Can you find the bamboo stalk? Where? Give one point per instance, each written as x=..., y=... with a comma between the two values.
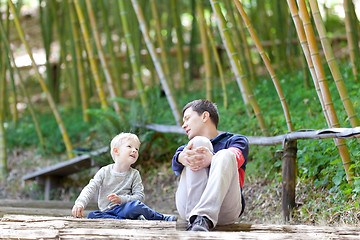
x=333, y=119
x=90, y=54
x=46, y=31
x=267, y=64
x=305, y=47
x=151, y=49
x=13, y=106
x=179, y=43
x=219, y=66
x=115, y=70
x=162, y=48
x=279, y=18
x=22, y=85
x=235, y=30
x=52, y=104
x=205, y=51
x=217, y=61
x=103, y=61
x=335, y=71
x=131, y=51
x=246, y=91
x=351, y=39
x=79, y=63
x=232, y=54
x=3, y=151
x=249, y=61
x=355, y=26
x=3, y=85
x=193, y=63
x=118, y=30
x=71, y=81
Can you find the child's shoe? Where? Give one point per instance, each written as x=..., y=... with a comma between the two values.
x=141, y=217
x=169, y=218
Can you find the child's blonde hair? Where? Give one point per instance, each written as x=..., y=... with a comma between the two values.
x=118, y=140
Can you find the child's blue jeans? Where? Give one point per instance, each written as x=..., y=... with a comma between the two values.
x=130, y=210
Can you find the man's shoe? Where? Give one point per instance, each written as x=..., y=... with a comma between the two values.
x=169, y=218
x=189, y=227
x=201, y=224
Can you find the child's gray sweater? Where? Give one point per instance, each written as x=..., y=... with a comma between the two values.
x=127, y=185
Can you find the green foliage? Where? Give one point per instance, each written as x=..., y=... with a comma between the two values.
x=23, y=134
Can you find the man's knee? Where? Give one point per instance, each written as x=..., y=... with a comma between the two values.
x=200, y=141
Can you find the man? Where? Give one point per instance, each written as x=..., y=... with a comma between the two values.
x=210, y=186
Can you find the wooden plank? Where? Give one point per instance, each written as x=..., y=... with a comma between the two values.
x=272, y=228
x=45, y=227
x=71, y=222
x=180, y=225
x=151, y=234
x=87, y=233
x=29, y=234
x=67, y=167
x=42, y=204
x=39, y=211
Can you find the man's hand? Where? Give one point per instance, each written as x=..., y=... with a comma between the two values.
x=196, y=159
x=114, y=198
x=77, y=211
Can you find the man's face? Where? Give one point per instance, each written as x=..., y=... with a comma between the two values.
x=193, y=123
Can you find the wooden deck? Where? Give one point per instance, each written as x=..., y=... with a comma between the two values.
x=47, y=227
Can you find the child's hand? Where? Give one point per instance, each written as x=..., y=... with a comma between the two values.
x=114, y=198
x=77, y=211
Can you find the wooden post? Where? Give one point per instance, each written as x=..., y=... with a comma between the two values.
x=288, y=177
x=50, y=182
x=47, y=188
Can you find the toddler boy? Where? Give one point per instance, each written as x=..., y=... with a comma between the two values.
x=121, y=193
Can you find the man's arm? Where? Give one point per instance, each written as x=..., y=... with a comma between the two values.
x=195, y=159
x=239, y=145
x=176, y=165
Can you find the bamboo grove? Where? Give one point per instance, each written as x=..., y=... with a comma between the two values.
x=102, y=43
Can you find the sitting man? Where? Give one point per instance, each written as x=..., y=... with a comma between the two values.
x=211, y=181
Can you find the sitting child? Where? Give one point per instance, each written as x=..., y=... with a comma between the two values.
x=120, y=187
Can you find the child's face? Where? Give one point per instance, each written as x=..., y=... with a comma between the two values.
x=128, y=151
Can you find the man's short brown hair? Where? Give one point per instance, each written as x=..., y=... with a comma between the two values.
x=203, y=105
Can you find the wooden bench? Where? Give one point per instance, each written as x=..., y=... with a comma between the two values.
x=49, y=176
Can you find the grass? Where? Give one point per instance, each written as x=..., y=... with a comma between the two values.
x=323, y=194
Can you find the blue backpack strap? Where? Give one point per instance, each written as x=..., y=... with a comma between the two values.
x=242, y=202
